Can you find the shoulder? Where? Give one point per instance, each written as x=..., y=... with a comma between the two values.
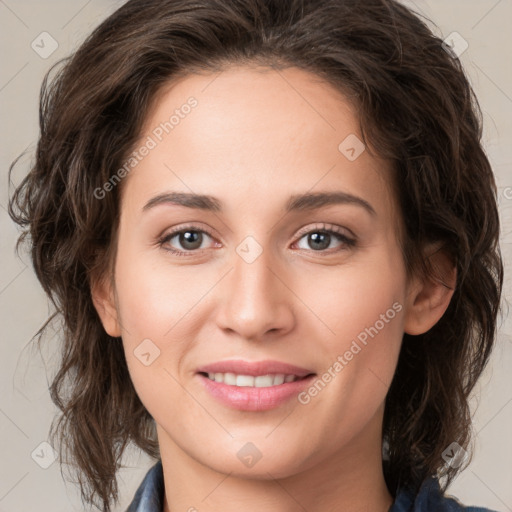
x=429, y=498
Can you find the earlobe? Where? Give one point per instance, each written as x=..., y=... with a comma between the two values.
x=430, y=297
x=104, y=302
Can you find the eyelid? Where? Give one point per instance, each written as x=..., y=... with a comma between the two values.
x=167, y=235
x=184, y=227
x=322, y=226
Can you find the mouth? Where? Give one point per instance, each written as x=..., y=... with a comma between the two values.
x=253, y=386
x=259, y=381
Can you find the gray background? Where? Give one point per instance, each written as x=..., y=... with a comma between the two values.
x=26, y=410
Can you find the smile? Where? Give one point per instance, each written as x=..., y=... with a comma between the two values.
x=260, y=381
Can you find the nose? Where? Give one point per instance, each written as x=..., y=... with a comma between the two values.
x=257, y=301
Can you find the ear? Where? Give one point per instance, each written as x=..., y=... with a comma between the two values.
x=103, y=298
x=429, y=297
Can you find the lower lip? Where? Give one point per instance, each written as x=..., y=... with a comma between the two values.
x=245, y=398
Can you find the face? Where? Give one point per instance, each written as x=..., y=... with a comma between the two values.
x=265, y=270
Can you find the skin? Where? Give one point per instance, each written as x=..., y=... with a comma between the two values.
x=256, y=137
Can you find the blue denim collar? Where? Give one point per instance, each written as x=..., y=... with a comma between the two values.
x=149, y=497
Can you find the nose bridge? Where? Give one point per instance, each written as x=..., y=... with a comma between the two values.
x=256, y=300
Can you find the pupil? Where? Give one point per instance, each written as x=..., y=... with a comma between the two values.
x=191, y=237
x=315, y=238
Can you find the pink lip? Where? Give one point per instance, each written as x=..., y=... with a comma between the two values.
x=254, y=369
x=253, y=398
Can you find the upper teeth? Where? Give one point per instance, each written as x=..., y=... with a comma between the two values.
x=261, y=381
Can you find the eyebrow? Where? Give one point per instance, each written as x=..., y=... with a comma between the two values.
x=298, y=202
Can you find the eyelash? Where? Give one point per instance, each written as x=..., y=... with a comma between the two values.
x=348, y=242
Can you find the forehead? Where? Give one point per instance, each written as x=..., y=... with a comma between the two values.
x=252, y=106
x=256, y=131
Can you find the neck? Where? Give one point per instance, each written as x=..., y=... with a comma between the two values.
x=350, y=479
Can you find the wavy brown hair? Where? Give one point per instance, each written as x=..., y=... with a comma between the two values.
x=416, y=108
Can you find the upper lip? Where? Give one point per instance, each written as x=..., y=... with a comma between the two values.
x=254, y=369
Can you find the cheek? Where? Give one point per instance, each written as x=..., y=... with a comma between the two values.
x=155, y=298
x=163, y=308
x=349, y=299
x=155, y=307
x=361, y=312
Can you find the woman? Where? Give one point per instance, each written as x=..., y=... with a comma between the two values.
x=271, y=232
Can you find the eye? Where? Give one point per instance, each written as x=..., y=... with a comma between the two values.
x=320, y=239
x=190, y=238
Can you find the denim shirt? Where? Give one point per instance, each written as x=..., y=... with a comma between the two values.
x=149, y=497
